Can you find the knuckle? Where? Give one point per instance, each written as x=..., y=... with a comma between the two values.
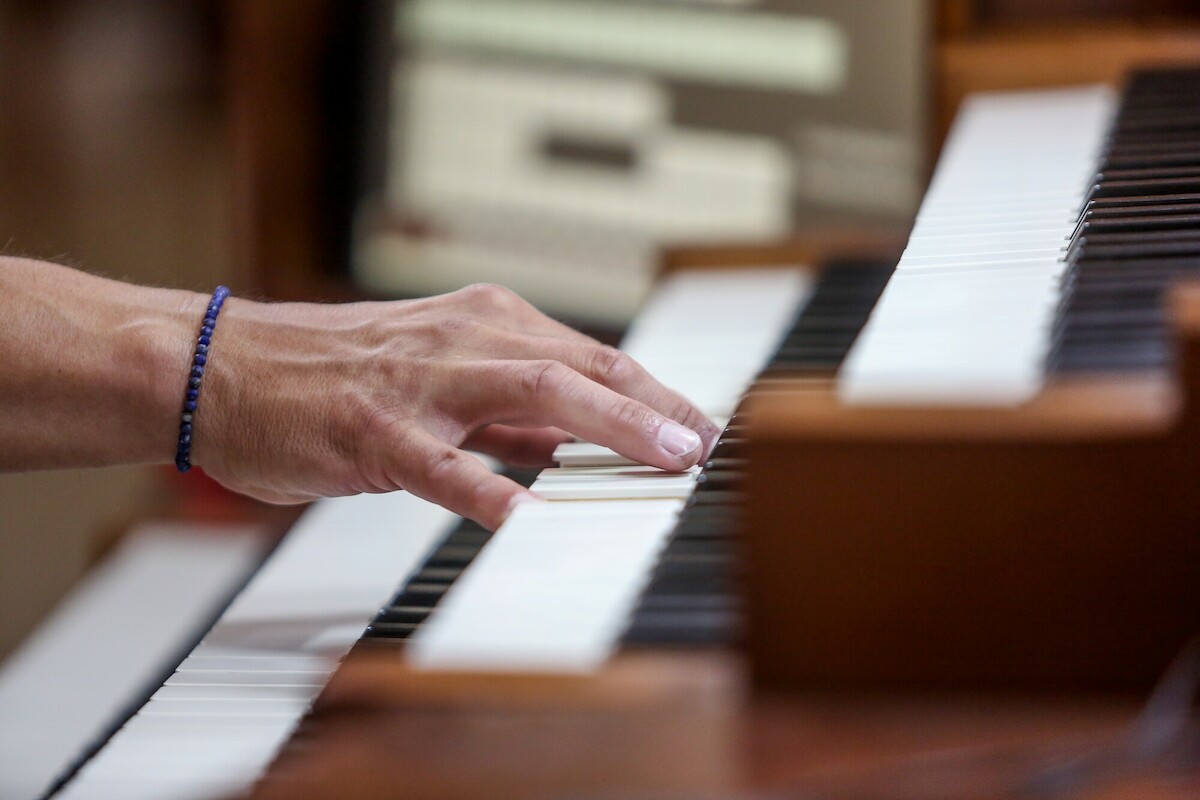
x=444, y=465
x=687, y=414
x=705, y=427
x=490, y=295
x=612, y=367
x=542, y=378
x=631, y=415
x=368, y=446
x=698, y=421
x=377, y=424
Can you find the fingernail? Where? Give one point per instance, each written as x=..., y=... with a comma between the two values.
x=677, y=440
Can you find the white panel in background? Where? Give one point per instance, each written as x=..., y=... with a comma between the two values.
x=565, y=276
x=760, y=49
x=475, y=136
x=471, y=164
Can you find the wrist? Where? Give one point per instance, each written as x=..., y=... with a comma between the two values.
x=93, y=369
x=224, y=382
x=157, y=342
x=195, y=381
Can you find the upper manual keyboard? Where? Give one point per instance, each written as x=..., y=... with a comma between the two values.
x=967, y=316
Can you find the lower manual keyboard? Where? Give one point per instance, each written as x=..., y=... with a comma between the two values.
x=217, y=723
x=573, y=575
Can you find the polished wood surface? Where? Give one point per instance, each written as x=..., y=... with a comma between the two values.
x=683, y=726
x=921, y=746
x=644, y=723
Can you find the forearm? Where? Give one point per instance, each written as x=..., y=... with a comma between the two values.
x=301, y=401
x=92, y=371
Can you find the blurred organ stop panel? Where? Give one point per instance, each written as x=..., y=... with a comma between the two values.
x=554, y=145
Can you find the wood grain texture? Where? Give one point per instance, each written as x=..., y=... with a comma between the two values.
x=646, y=724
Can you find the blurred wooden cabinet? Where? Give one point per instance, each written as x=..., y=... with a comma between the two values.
x=985, y=45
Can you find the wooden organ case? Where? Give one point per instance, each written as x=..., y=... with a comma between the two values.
x=1049, y=546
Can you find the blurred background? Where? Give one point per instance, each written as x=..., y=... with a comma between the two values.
x=299, y=149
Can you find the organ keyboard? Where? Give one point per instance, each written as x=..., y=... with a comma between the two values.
x=627, y=555
x=552, y=589
x=1031, y=520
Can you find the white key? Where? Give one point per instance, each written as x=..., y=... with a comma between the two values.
x=551, y=592
x=586, y=454
x=614, y=483
x=217, y=723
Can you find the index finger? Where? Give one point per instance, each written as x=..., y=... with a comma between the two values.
x=548, y=392
x=619, y=372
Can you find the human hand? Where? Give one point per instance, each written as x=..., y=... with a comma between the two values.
x=303, y=401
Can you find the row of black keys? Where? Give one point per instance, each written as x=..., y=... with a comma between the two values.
x=691, y=597
x=1138, y=232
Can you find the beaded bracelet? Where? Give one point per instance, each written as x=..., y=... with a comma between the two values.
x=183, y=453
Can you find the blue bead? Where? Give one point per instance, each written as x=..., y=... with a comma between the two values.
x=199, y=361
